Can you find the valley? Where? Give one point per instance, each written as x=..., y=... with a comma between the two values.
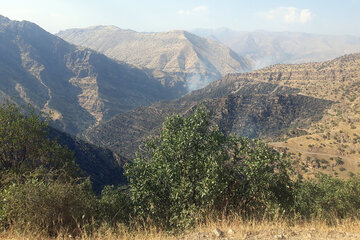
x=168, y=133
x=312, y=108
x=77, y=87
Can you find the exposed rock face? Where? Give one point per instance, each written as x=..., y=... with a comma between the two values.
x=78, y=86
x=179, y=59
x=267, y=48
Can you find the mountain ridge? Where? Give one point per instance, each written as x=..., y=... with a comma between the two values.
x=268, y=48
x=79, y=87
x=189, y=58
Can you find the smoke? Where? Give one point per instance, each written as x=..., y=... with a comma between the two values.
x=196, y=81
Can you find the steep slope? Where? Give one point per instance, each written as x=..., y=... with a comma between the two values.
x=331, y=145
x=268, y=48
x=103, y=166
x=191, y=61
x=238, y=105
x=311, y=110
x=78, y=86
x=253, y=115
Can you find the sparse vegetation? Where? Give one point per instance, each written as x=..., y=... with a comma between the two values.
x=339, y=161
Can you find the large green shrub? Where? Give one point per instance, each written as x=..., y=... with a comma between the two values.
x=193, y=169
x=259, y=180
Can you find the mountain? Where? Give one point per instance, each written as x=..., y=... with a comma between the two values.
x=103, y=166
x=179, y=59
x=311, y=110
x=78, y=86
x=268, y=48
x=254, y=110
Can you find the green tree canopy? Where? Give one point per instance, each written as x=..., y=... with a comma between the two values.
x=25, y=146
x=193, y=169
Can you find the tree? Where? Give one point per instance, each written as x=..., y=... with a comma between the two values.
x=39, y=184
x=193, y=169
x=25, y=146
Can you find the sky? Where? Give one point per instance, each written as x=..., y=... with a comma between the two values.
x=312, y=16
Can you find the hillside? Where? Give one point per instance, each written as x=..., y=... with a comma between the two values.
x=332, y=144
x=78, y=87
x=179, y=59
x=103, y=166
x=312, y=110
x=268, y=48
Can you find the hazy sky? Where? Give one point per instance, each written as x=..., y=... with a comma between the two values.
x=313, y=16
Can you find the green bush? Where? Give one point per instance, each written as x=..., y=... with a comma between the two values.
x=25, y=146
x=193, y=169
x=328, y=198
x=182, y=174
x=339, y=161
x=114, y=206
x=259, y=180
x=47, y=207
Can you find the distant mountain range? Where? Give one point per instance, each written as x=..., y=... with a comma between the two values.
x=268, y=48
x=179, y=59
x=77, y=86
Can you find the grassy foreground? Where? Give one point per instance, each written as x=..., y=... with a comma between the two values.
x=236, y=229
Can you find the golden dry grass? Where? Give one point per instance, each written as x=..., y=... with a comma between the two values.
x=236, y=229
x=337, y=133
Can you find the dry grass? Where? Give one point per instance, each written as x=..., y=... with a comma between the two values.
x=235, y=229
x=336, y=134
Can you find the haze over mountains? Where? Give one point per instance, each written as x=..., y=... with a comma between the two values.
x=267, y=48
x=180, y=59
x=78, y=86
